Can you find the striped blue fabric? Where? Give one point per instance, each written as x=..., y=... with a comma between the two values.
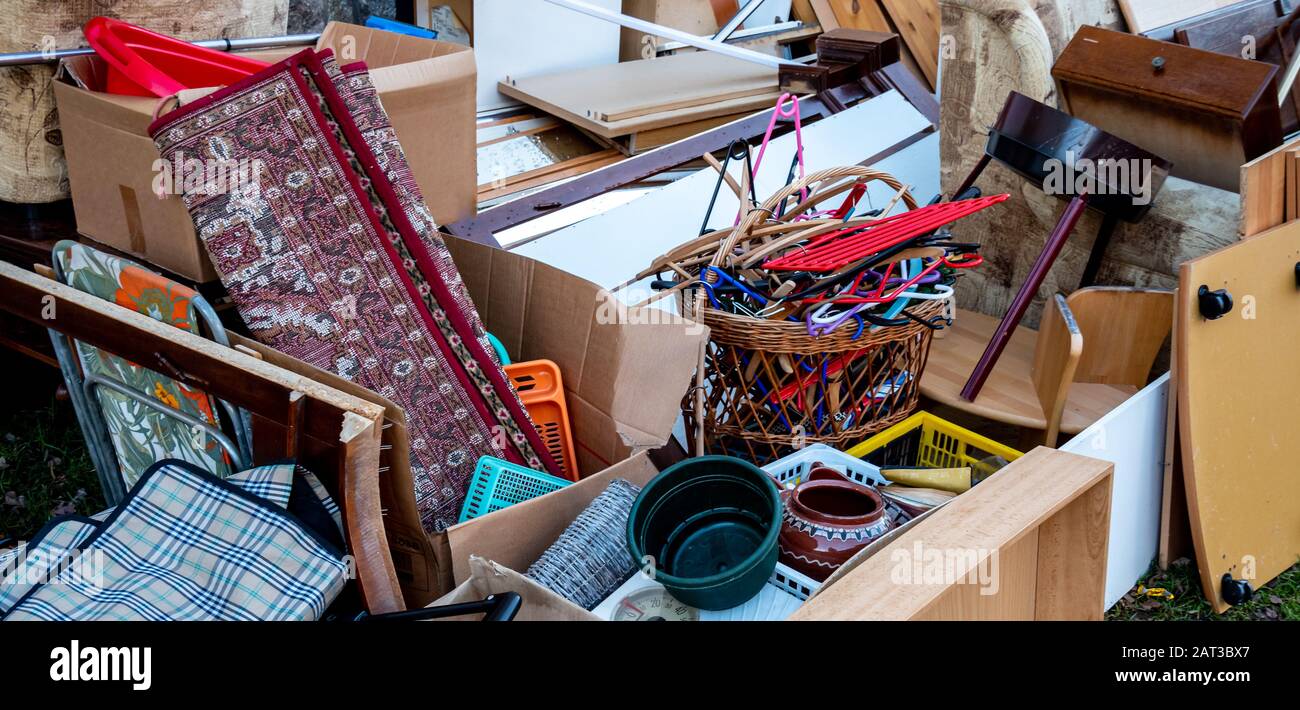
x=27, y=565
x=185, y=545
x=273, y=483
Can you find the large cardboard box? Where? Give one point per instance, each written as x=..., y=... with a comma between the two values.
x=426, y=86
x=1029, y=543
x=625, y=372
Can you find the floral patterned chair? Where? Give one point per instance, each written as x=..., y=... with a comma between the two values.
x=133, y=417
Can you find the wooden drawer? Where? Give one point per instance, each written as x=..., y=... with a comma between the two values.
x=1208, y=113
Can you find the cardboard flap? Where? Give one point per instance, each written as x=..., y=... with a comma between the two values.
x=518, y=535
x=630, y=367
x=539, y=603
x=380, y=48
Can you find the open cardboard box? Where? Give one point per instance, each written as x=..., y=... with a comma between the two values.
x=625, y=371
x=426, y=86
x=1028, y=543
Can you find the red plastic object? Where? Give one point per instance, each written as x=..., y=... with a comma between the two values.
x=144, y=63
x=541, y=389
x=836, y=250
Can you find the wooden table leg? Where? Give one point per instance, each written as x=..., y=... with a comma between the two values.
x=1051, y=250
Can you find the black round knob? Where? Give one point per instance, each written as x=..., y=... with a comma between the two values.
x=1236, y=591
x=1158, y=64
x=1214, y=304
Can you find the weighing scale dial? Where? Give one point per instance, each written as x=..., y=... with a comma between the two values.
x=653, y=605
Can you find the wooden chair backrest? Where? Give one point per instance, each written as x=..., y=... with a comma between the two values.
x=333, y=434
x=1057, y=353
x=1125, y=328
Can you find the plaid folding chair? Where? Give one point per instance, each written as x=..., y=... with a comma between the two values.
x=132, y=417
x=262, y=545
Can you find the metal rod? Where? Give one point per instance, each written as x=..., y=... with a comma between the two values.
x=654, y=30
x=735, y=22
x=223, y=45
x=741, y=35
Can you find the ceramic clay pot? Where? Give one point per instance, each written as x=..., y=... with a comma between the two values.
x=826, y=521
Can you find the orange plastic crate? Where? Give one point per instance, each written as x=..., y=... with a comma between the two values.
x=541, y=389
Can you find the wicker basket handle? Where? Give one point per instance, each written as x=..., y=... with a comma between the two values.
x=755, y=216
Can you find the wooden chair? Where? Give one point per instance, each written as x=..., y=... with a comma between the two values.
x=1095, y=349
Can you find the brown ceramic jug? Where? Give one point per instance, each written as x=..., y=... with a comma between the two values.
x=827, y=520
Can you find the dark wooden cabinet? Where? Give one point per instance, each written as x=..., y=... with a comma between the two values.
x=1208, y=113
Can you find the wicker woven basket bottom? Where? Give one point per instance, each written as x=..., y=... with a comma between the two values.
x=771, y=389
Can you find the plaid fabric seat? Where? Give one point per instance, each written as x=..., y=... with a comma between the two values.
x=24, y=565
x=186, y=545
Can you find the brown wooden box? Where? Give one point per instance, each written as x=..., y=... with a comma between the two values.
x=1208, y=113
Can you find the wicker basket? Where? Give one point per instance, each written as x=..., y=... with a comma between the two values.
x=770, y=388
x=750, y=363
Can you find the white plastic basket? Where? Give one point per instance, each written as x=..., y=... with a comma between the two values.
x=792, y=469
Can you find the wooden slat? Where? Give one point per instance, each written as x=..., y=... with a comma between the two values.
x=1264, y=188
x=620, y=99
x=918, y=24
x=1036, y=514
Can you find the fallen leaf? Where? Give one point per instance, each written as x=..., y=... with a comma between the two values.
x=1275, y=599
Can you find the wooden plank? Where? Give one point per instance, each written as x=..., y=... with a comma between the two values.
x=1144, y=15
x=859, y=15
x=1016, y=598
x=918, y=24
x=621, y=99
x=1264, y=191
x=825, y=14
x=1133, y=438
x=984, y=529
x=1237, y=390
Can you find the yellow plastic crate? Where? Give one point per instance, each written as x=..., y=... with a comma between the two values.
x=930, y=442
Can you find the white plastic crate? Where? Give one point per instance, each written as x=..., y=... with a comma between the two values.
x=782, y=596
x=792, y=469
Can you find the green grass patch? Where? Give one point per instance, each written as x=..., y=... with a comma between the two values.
x=1277, y=600
x=45, y=470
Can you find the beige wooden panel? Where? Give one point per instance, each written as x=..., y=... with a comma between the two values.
x=1011, y=600
x=1072, y=558
x=1238, y=388
x=1002, y=515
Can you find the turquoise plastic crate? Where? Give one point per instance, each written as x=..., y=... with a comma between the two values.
x=500, y=484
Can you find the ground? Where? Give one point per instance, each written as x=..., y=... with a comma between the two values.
x=45, y=471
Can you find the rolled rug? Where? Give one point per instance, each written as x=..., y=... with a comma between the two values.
x=320, y=255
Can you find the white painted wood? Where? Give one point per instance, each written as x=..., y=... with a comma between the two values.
x=610, y=248
x=656, y=30
x=530, y=37
x=1133, y=438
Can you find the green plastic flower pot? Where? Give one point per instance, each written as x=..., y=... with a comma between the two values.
x=709, y=527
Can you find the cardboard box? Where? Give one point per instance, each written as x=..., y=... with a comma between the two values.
x=426, y=86
x=625, y=369
x=1029, y=543
x=624, y=378
x=539, y=603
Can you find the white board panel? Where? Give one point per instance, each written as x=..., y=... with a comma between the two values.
x=530, y=37
x=611, y=248
x=1133, y=438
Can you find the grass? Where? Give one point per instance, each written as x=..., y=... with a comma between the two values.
x=1277, y=600
x=44, y=467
